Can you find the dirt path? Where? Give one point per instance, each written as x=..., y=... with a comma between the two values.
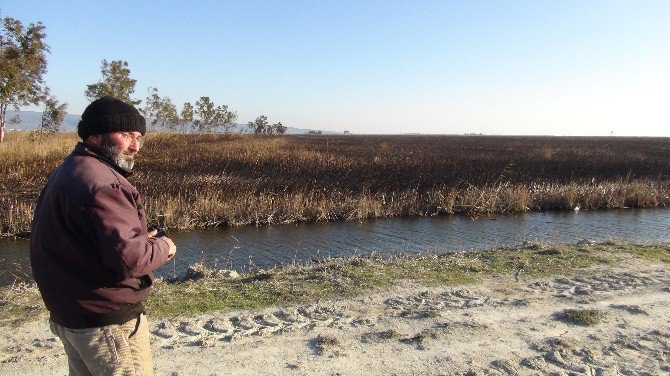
x=496, y=327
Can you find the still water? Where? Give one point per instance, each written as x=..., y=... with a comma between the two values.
x=267, y=246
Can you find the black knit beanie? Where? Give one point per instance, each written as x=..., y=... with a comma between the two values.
x=108, y=114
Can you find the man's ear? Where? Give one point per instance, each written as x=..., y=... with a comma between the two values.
x=94, y=140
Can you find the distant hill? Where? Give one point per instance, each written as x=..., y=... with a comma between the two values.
x=31, y=120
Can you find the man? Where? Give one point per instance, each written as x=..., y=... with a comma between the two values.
x=91, y=254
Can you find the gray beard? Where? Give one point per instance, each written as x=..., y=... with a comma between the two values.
x=116, y=155
x=126, y=164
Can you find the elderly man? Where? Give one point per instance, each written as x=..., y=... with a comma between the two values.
x=91, y=254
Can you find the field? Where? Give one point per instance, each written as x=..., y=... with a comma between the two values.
x=190, y=180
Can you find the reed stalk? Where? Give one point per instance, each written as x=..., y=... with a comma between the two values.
x=202, y=180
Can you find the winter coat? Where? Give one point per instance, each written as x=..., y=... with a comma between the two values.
x=89, y=250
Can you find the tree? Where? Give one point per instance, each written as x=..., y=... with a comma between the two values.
x=208, y=116
x=160, y=111
x=226, y=118
x=205, y=115
x=115, y=81
x=23, y=63
x=260, y=125
x=279, y=128
x=186, y=116
x=166, y=117
x=149, y=110
x=53, y=115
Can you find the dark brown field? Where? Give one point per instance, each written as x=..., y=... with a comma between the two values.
x=192, y=181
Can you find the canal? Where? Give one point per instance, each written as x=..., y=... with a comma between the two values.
x=248, y=248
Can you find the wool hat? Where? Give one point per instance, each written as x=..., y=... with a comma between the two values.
x=108, y=114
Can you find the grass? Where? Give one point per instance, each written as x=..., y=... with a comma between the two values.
x=353, y=276
x=356, y=276
x=201, y=180
x=584, y=317
x=347, y=277
x=20, y=303
x=657, y=252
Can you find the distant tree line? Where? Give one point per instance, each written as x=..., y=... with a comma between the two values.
x=23, y=64
x=162, y=113
x=261, y=126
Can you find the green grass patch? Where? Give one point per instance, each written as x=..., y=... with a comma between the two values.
x=534, y=262
x=348, y=277
x=354, y=276
x=659, y=252
x=584, y=317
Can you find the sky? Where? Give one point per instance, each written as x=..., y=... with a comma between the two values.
x=578, y=68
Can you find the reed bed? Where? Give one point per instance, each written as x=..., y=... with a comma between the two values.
x=201, y=180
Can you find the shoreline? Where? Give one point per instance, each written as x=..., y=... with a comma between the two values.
x=261, y=210
x=25, y=235
x=504, y=320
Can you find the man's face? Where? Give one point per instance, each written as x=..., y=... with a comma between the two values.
x=121, y=147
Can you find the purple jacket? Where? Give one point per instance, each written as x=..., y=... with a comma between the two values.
x=89, y=250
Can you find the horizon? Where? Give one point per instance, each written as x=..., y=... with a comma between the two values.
x=335, y=133
x=305, y=130
x=444, y=67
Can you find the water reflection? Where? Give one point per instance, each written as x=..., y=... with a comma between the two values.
x=268, y=246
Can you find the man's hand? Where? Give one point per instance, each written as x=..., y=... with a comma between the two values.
x=173, y=248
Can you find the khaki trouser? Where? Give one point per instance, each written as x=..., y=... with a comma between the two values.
x=108, y=350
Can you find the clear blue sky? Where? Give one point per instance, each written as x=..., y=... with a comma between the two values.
x=449, y=67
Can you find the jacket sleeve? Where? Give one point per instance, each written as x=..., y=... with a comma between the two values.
x=120, y=234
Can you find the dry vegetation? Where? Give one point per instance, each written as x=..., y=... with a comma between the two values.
x=204, y=180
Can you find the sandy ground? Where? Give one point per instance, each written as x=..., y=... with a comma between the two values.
x=495, y=327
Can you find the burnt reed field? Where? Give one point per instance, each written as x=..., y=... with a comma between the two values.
x=198, y=180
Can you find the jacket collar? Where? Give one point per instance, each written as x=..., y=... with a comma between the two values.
x=89, y=150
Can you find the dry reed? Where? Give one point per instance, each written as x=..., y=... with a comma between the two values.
x=190, y=180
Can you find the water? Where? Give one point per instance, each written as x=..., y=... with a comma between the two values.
x=267, y=246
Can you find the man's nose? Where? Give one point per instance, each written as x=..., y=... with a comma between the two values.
x=135, y=145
